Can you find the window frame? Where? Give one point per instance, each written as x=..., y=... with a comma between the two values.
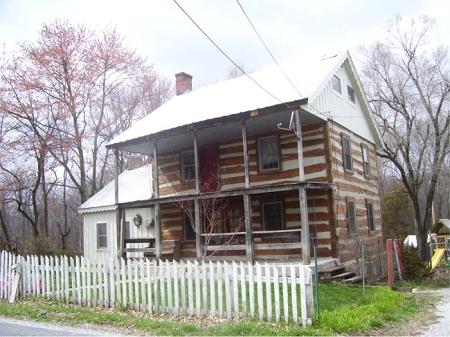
x=340, y=84
x=183, y=167
x=349, y=200
x=367, y=172
x=352, y=97
x=347, y=138
x=274, y=169
x=372, y=226
x=102, y=235
x=263, y=213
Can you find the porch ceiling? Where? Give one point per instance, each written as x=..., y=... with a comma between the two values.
x=219, y=132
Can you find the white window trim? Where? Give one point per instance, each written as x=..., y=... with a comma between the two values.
x=264, y=213
x=332, y=86
x=354, y=95
x=96, y=236
x=260, y=168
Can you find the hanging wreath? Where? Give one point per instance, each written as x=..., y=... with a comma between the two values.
x=137, y=220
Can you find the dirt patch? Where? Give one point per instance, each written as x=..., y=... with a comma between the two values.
x=416, y=324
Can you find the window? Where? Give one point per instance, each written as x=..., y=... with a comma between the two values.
x=273, y=215
x=337, y=84
x=268, y=153
x=351, y=94
x=235, y=219
x=366, y=160
x=102, y=238
x=347, y=153
x=189, y=227
x=370, y=217
x=188, y=168
x=351, y=216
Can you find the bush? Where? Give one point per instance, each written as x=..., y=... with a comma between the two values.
x=416, y=269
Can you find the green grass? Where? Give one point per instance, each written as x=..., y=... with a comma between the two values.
x=344, y=310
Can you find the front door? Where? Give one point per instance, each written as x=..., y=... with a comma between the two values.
x=209, y=168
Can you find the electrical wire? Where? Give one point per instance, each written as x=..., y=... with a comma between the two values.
x=223, y=52
x=268, y=50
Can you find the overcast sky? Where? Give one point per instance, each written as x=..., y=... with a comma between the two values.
x=158, y=30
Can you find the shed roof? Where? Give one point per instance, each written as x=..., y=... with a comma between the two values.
x=237, y=95
x=134, y=185
x=442, y=226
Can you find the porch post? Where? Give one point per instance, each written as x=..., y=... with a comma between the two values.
x=155, y=181
x=247, y=200
x=198, y=227
x=119, y=225
x=306, y=254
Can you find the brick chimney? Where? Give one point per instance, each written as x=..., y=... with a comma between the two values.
x=183, y=83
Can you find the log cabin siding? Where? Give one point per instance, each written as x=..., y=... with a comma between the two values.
x=354, y=185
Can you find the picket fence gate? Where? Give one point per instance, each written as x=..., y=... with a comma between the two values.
x=272, y=292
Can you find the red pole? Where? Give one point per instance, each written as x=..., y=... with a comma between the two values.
x=390, y=261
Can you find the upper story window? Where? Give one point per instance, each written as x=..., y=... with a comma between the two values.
x=273, y=215
x=188, y=165
x=370, y=217
x=102, y=237
x=366, y=160
x=269, y=154
x=347, y=153
x=351, y=94
x=337, y=84
x=351, y=216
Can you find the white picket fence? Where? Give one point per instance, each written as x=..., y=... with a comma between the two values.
x=264, y=291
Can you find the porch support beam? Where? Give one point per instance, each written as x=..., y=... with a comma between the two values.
x=247, y=201
x=155, y=181
x=198, y=227
x=248, y=228
x=306, y=254
x=119, y=224
x=245, y=150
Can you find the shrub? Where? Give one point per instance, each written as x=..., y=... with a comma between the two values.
x=416, y=269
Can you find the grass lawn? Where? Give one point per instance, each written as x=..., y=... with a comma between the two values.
x=344, y=310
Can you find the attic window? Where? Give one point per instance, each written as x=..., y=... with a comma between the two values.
x=351, y=94
x=337, y=84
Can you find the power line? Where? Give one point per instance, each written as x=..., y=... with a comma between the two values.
x=268, y=50
x=223, y=52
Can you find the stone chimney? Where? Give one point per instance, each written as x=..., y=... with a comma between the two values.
x=183, y=83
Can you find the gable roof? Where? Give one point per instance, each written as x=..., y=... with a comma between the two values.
x=134, y=185
x=242, y=95
x=442, y=226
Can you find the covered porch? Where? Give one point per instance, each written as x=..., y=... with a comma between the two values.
x=246, y=240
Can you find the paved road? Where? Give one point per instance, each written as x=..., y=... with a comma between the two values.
x=13, y=327
x=442, y=327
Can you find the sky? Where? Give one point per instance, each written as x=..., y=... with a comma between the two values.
x=159, y=31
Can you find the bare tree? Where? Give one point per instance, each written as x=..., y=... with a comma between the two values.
x=407, y=82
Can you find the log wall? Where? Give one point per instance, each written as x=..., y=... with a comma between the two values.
x=354, y=185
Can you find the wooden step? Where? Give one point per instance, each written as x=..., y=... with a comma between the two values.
x=355, y=279
x=328, y=273
x=342, y=276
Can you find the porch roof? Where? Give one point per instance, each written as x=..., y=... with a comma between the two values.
x=134, y=186
x=233, y=97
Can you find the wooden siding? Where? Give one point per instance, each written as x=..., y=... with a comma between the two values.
x=354, y=185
